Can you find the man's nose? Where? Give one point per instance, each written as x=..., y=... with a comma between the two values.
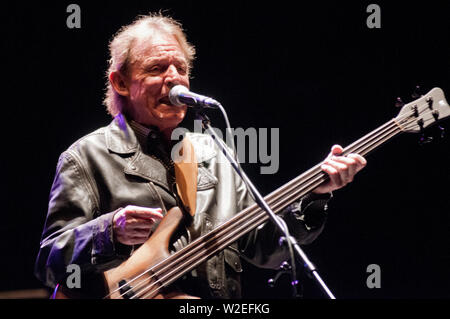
x=172, y=77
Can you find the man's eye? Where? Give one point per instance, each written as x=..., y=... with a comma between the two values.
x=154, y=68
x=182, y=69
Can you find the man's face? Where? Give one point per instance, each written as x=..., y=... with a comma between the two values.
x=159, y=63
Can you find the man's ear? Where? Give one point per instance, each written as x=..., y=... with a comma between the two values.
x=119, y=83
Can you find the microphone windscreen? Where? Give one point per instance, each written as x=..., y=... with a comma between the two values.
x=175, y=92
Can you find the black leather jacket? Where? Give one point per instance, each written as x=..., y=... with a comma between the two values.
x=107, y=170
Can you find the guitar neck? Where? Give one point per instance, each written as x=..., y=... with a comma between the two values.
x=312, y=178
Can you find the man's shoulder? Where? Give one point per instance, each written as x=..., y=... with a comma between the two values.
x=83, y=148
x=116, y=137
x=200, y=139
x=92, y=139
x=203, y=144
x=87, y=145
x=205, y=147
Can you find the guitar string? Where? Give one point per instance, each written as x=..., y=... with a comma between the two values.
x=289, y=185
x=294, y=195
x=369, y=148
x=164, y=269
x=177, y=269
x=168, y=278
x=389, y=123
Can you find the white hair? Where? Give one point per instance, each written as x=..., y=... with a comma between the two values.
x=122, y=44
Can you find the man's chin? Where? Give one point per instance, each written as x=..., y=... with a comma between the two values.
x=169, y=116
x=169, y=112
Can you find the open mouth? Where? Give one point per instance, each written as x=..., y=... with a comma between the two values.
x=165, y=100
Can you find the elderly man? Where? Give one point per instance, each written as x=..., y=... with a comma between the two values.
x=113, y=186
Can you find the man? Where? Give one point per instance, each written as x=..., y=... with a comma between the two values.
x=113, y=186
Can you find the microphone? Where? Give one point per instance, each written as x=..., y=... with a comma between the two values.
x=180, y=95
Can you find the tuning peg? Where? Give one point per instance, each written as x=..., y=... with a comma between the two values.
x=399, y=102
x=416, y=94
x=423, y=138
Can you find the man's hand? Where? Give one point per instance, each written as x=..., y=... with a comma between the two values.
x=340, y=169
x=132, y=224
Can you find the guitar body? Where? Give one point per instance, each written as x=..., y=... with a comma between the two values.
x=150, y=253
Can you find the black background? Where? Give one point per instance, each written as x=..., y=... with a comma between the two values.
x=314, y=70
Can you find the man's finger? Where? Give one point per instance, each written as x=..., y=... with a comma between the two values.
x=361, y=160
x=342, y=159
x=145, y=212
x=144, y=225
x=135, y=240
x=350, y=163
x=132, y=222
x=342, y=169
x=140, y=233
x=332, y=173
x=338, y=165
x=336, y=150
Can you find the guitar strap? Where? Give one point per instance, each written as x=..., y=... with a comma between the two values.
x=186, y=172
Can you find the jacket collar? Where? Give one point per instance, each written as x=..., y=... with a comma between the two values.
x=120, y=138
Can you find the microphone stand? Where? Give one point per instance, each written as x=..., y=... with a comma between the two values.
x=260, y=200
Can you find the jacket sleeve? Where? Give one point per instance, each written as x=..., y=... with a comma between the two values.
x=305, y=220
x=74, y=232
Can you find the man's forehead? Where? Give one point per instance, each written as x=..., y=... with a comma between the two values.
x=157, y=45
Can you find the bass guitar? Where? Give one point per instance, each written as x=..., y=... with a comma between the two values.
x=150, y=271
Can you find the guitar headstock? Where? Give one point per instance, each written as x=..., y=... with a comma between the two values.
x=430, y=108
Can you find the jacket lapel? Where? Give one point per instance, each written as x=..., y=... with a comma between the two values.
x=148, y=168
x=121, y=139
